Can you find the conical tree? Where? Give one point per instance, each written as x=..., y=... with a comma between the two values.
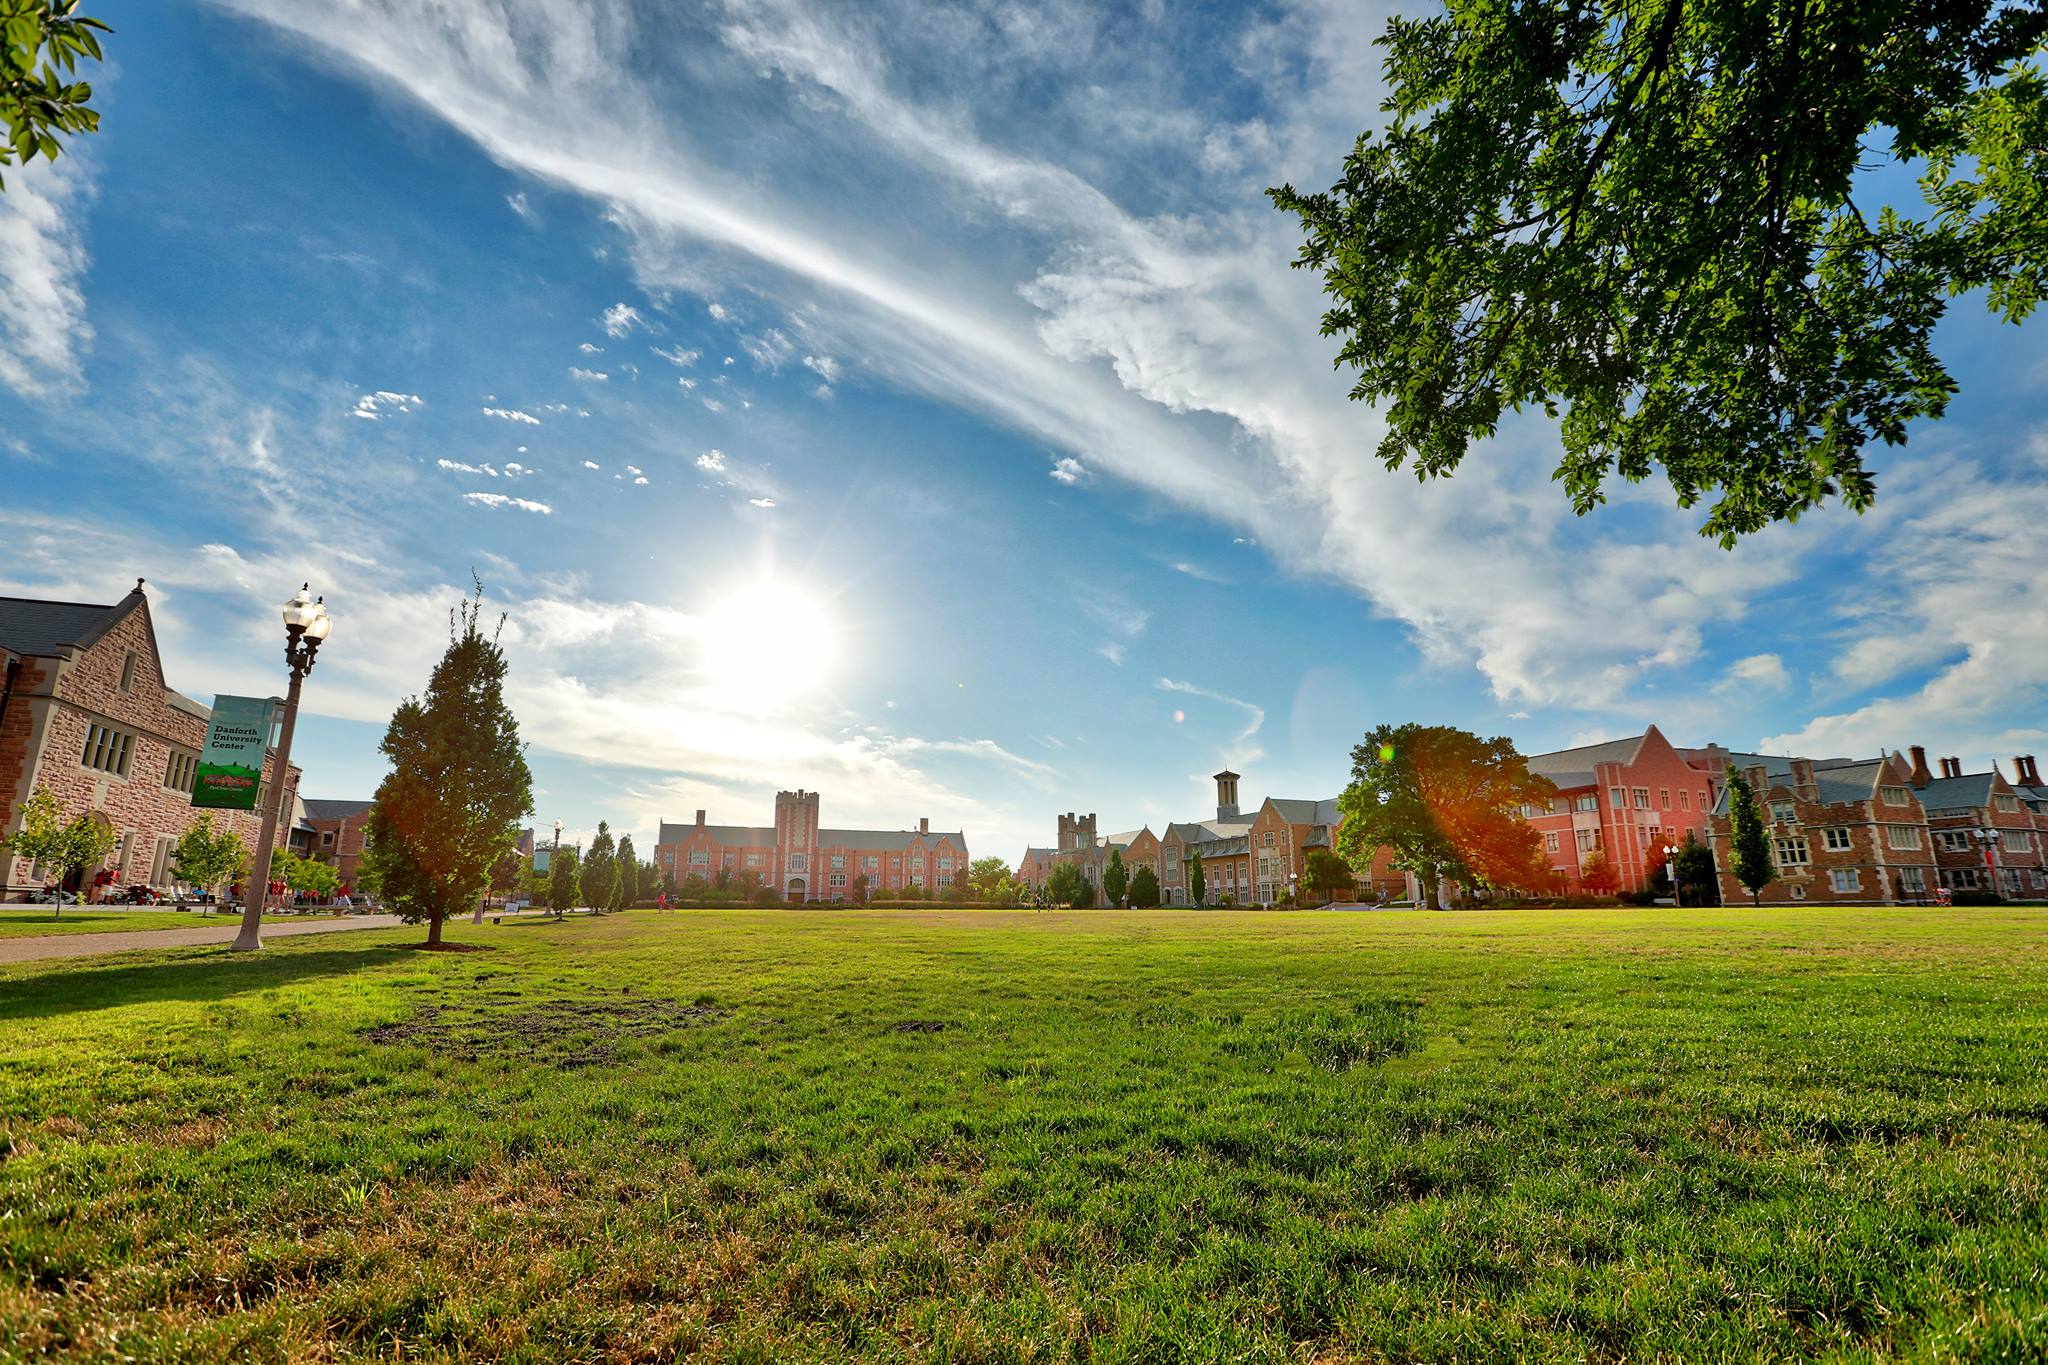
x=562, y=881
x=458, y=785
x=1749, y=851
x=600, y=870
x=629, y=873
x=1115, y=878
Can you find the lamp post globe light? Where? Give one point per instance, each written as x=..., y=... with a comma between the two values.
x=305, y=626
x=1671, y=872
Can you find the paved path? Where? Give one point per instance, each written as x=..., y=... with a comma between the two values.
x=38, y=948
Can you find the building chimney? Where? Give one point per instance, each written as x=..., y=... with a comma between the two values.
x=1758, y=778
x=1921, y=776
x=2029, y=774
x=924, y=824
x=1951, y=767
x=700, y=819
x=1802, y=780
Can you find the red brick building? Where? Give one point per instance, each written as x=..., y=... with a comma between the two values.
x=1624, y=799
x=804, y=862
x=85, y=711
x=1987, y=832
x=1842, y=832
x=339, y=832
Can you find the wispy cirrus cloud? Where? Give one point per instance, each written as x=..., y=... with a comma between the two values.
x=43, y=328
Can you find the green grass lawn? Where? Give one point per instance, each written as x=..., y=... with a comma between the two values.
x=774, y=1135
x=30, y=921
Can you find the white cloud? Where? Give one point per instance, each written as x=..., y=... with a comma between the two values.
x=1112, y=650
x=677, y=356
x=760, y=502
x=641, y=480
x=713, y=405
x=685, y=382
x=591, y=464
x=371, y=406
x=824, y=366
x=1197, y=571
x=712, y=462
x=457, y=467
x=632, y=469
x=43, y=328
x=516, y=470
x=591, y=348
x=1241, y=751
x=513, y=415
x=503, y=500
x=517, y=203
x=588, y=376
x=620, y=319
x=1068, y=470
x=718, y=314
x=770, y=351
x=1757, y=671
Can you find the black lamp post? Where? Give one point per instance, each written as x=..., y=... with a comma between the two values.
x=1671, y=872
x=305, y=625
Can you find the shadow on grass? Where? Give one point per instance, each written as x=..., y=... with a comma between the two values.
x=213, y=975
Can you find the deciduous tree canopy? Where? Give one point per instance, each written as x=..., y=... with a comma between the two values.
x=1668, y=222
x=41, y=42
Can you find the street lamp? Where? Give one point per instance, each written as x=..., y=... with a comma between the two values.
x=305, y=625
x=1671, y=873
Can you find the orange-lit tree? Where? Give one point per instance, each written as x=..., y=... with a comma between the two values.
x=1445, y=803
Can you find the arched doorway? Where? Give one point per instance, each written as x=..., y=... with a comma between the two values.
x=796, y=890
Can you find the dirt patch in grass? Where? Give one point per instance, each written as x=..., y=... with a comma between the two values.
x=449, y=947
x=568, y=1033
x=920, y=1026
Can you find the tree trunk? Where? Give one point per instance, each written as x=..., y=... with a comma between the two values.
x=478, y=917
x=434, y=930
x=1443, y=893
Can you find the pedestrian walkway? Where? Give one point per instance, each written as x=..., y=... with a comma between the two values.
x=92, y=945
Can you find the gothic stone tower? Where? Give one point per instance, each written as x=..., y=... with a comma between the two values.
x=796, y=842
x=1226, y=796
x=1077, y=836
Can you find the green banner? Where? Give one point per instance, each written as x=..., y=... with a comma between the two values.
x=232, y=766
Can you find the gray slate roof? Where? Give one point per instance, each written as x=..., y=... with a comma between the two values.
x=1298, y=812
x=28, y=626
x=1972, y=790
x=1839, y=780
x=1574, y=767
x=334, y=810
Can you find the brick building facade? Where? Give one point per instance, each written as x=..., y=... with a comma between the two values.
x=85, y=711
x=339, y=832
x=804, y=862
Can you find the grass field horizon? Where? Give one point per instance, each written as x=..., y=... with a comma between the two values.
x=984, y=1135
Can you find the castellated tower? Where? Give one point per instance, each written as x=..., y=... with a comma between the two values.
x=796, y=841
x=1077, y=835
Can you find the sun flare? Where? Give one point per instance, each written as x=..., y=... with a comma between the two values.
x=768, y=641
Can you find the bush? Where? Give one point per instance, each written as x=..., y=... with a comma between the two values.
x=1976, y=898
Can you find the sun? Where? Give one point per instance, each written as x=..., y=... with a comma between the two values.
x=768, y=641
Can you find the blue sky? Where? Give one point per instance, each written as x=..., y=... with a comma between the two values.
x=964, y=446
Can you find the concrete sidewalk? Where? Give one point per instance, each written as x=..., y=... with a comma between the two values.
x=46, y=946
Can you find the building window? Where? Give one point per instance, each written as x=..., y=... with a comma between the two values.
x=1901, y=836
x=1589, y=839
x=180, y=771
x=2005, y=803
x=700, y=857
x=917, y=863
x=753, y=860
x=1953, y=840
x=838, y=879
x=1587, y=802
x=1959, y=878
x=1835, y=840
x=1912, y=879
x=1706, y=801
x=1793, y=852
x=1784, y=813
x=870, y=863
x=839, y=862
x=1684, y=799
x=1550, y=843
x=326, y=838
x=1663, y=798
x=1845, y=879
x=1642, y=798
x=799, y=862
x=1798, y=892
x=1895, y=796
x=128, y=671
x=1616, y=797
x=2016, y=841
x=107, y=750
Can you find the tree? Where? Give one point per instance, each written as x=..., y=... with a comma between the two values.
x=304, y=876
x=989, y=876
x=1115, y=878
x=1649, y=216
x=508, y=872
x=1198, y=885
x=59, y=848
x=860, y=888
x=600, y=874
x=1068, y=886
x=1324, y=875
x=1446, y=804
x=38, y=104
x=208, y=856
x=1749, y=843
x=1694, y=864
x=629, y=872
x=458, y=784
x=1597, y=875
x=1144, y=889
x=562, y=881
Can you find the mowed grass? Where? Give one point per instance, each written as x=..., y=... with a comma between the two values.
x=26, y=921
x=776, y=1135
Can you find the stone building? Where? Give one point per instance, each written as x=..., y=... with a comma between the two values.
x=804, y=862
x=1986, y=832
x=86, y=712
x=1842, y=832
